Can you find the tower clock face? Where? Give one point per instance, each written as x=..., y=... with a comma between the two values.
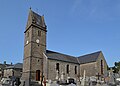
x=27, y=42
x=37, y=41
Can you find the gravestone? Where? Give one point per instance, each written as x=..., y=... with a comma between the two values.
x=57, y=76
x=62, y=79
x=62, y=76
x=54, y=84
x=71, y=84
x=48, y=83
x=112, y=78
x=83, y=80
x=119, y=73
x=93, y=80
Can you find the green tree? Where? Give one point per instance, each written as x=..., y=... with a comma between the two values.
x=116, y=68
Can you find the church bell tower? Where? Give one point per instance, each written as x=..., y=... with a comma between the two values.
x=34, y=47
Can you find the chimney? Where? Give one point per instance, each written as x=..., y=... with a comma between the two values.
x=11, y=63
x=4, y=62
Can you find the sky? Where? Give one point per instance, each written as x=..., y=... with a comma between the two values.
x=75, y=27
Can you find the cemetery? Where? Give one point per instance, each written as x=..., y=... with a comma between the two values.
x=109, y=79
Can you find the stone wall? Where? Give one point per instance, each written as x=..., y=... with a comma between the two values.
x=62, y=69
x=90, y=69
x=101, y=57
x=10, y=72
x=93, y=68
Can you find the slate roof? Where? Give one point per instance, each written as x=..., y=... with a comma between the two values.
x=37, y=19
x=61, y=57
x=16, y=66
x=2, y=66
x=89, y=57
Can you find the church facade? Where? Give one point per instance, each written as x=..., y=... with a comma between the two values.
x=39, y=62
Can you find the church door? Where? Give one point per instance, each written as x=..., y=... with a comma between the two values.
x=37, y=75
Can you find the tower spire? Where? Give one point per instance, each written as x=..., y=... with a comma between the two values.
x=35, y=19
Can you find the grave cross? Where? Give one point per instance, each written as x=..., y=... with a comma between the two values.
x=98, y=76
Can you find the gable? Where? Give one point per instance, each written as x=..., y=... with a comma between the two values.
x=101, y=57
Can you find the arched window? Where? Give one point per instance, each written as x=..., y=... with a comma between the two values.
x=101, y=66
x=57, y=67
x=39, y=33
x=75, y=69
x=67, y=68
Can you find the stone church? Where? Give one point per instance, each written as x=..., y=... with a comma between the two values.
x=38, y=61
